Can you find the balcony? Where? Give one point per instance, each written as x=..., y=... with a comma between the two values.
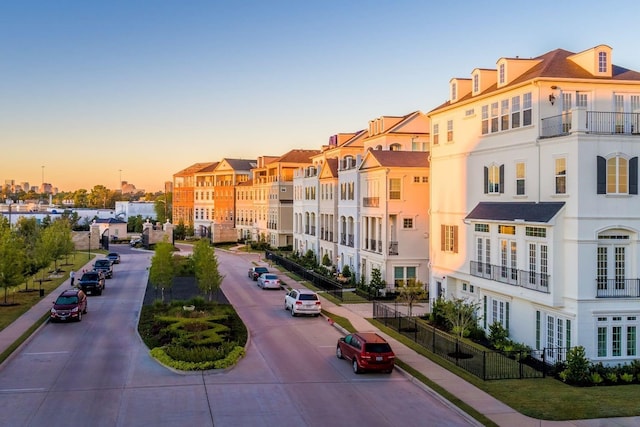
x=593, y=122
x=343, y=239
x=618, y=288
x=371, y=202
x=393, y=248
x=511, y=276
x=372, y=245
x=350, y=236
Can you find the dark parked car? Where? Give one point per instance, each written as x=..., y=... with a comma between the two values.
x=367, y=351
x=114, y=257
x=70, y=305
x=104, y=265
x=92, y=283
x=255, y=272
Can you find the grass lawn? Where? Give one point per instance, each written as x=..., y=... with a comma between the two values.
x=16, y=301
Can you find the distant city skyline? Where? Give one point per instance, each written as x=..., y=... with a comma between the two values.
x=101, y=92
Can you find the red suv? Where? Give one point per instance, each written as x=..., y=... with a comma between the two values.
x=367, y=351
x=70, y=305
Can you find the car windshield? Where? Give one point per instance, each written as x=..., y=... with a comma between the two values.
x=113, y=255
x=66, y=300
x=90, y=276
x=270, y=276
x=308, y=297
x=261, y=270
x=378, y=347
x=103, y=263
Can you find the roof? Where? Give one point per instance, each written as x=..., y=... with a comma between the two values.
x=405, y=159
x=298, y=156
x=209, y=168
x=513, y=211
x=196, y=167
x=241, y=164
x=109, y=221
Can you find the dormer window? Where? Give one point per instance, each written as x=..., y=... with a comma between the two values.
x=603, y=63
x=454, y=94
x=476, y=83
x=501, y=74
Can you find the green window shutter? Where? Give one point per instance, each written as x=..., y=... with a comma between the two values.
x=537, y=330
x=506, y=316
x=484, y=314
x=568, y=334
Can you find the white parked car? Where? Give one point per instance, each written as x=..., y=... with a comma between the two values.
x=302, y=301
x=268, y=281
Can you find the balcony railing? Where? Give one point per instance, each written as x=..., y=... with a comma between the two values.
x=525, y=279
x=594, y=122
x=618, y=288
x=372, y=245
x=371, y=202
x=350, y=236
x=343, y=239
x=393, y=248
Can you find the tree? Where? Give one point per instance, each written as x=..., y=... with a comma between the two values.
x=162, y=268
x=376, y=283
x=12, y=256
x=205, y=262
x=57, y=240
x=461, y=315
x=410, y=292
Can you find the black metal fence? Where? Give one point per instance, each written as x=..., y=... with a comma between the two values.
x=328, y=285
x=485, y=364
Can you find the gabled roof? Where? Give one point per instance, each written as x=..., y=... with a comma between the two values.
x=389, y=159
x=329, y=169
x=109, y=221
x=298, y=156
x=196, y=167
x=208, y=168
x=239, y=164
x=513, y=211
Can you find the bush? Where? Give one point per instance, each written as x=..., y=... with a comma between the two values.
x=577, y=371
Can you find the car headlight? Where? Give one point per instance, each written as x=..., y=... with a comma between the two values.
x=53, y=311
x=75, y=309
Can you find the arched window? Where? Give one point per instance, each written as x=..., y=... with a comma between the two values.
x=395, y=147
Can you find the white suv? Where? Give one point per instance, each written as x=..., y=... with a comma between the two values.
x=302, y=301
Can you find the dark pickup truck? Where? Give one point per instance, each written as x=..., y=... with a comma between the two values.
x=105, y=266
x=92, y=283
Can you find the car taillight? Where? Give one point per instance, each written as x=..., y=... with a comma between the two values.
x=298, y=302
x=317, y=302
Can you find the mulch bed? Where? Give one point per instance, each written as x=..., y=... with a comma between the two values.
x=183, y=289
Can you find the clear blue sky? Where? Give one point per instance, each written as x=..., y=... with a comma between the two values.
x=98, y=90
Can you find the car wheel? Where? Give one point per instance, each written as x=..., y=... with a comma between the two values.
x=356, y=367
x=339, y=353
x=293, y=313
x=316, y=315
x=285, y=306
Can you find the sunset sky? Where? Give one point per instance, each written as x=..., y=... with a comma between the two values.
x=96, y=91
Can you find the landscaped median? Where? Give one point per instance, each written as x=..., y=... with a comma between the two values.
x=208, y=335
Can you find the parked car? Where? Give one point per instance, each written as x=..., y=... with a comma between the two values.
x=114, y=257
x=367, y=351
x=255, y=272
x=268, y=281
x=104, y=265
x=92, y=282
x=70, y=305
x=302, y=301
x=135, y=242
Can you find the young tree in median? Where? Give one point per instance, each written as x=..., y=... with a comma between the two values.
x=56, y=240
x=205, y=263
x=162, y=268
x=12, y=255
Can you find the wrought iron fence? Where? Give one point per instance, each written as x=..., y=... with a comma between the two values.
x=328, y=285
x=485, y=364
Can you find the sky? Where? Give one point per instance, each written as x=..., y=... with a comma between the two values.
x=94, y=92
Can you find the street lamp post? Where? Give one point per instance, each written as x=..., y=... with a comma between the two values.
x=9, y=202
x=89, y=246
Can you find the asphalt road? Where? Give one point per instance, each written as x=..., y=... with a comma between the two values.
x=98, y=372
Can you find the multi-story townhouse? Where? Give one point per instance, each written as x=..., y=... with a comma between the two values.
x=245, y=211
x=534, y=215
x=183, y=194
x=394, y=216
x=203, y=201
x=306, y=206
x=394, y=207
x=328, y=210
x=227, y=174
x=273, y=196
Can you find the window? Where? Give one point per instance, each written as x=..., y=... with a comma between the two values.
x=403, y=275
x=520, y=181
x=535, y=232
x=449, y=238
x=494, y=179
x=497, y=312
x=394, y=188
x=582, y=99
x=454, y=93
x=485, y=120
x=494, y=117
x=407, y=223
x=395, y=147
x=617, y=336
x=449, y=130
x=617, y=175
x=501, y=74
x=476, y=83
x=482, y=228
x=515, y=112
x=416, y=179
x=602, y=62
x=435, y=136
x=561, y=175
x=526, y=109
x=504, y=114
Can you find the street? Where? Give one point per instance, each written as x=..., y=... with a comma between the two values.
x=98, y=372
